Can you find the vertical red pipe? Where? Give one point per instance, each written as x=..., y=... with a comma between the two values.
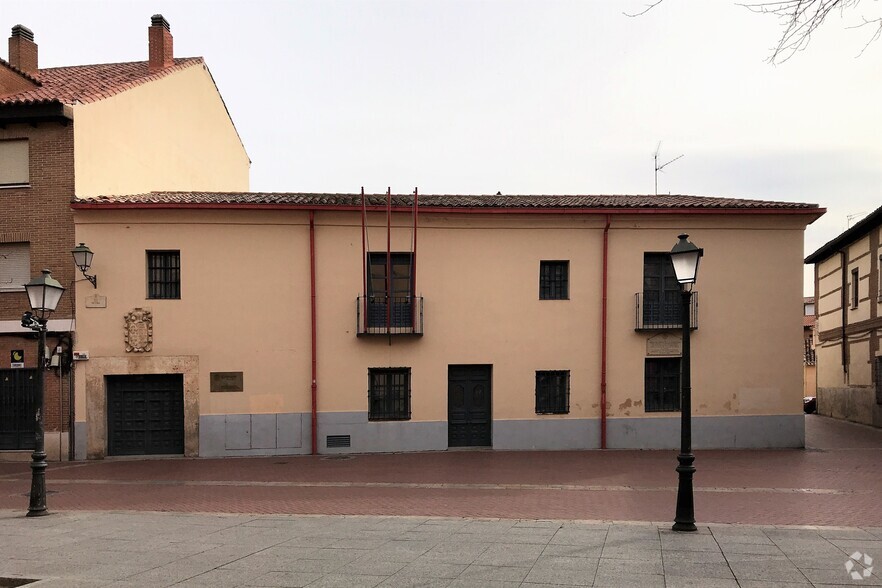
x=413, y=267
x=364, y=260
x=314, y=361
x=389, y=262
x=603, y=336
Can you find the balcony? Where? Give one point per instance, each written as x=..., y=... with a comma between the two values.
x=375, y=316
x=655, y=314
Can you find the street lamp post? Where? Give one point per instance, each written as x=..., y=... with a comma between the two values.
x=685, y=257
x=43, y=294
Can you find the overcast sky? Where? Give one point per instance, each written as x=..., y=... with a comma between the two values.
x=530, y=97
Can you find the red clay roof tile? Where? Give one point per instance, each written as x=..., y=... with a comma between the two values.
x=442, y=201
x=88, y=83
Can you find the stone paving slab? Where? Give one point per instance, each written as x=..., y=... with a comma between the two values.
x=119, y=549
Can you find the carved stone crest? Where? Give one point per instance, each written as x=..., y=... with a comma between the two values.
x=139, y=331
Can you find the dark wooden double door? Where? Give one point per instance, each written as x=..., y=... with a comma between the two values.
x=469, y=416
x=145, y=414
x=18, y=401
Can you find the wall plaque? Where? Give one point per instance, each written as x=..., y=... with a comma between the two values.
x=96, y=301
x=16, y=358
x=226, y=382
x=664, y=344
x=139, y=331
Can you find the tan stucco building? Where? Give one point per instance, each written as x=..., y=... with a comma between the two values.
x=849, y=307
x=82, y=131
x=229, y=324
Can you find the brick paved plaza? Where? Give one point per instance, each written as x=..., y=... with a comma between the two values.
x=470, y=518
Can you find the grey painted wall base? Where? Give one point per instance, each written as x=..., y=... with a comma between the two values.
x=709, y=432
x=380, y=436
x=290, y=433
x=81, y=430
x=546, y=434
x=240, y=435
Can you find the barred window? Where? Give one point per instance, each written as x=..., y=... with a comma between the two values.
x=553, y=392
x=855, y=295
x=554, y=280
x=662, y=379
x=389, y=394
x=164, y=274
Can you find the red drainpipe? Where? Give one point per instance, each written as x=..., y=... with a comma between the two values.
x=603, y=313
x=314, y=361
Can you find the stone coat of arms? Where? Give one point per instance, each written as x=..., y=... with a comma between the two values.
x=139, y=331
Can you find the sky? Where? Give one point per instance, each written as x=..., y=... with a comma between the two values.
x=522, y=97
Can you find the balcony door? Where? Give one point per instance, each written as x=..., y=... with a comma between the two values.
x=392, y=306
x=661, y=291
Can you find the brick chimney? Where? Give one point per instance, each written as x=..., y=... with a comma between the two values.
x=160, y=41
x=22, y=49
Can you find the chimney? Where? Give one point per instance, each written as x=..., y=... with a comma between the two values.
x=160, y=41
x=22, y=49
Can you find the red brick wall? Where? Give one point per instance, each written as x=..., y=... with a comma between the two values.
x=41, y=215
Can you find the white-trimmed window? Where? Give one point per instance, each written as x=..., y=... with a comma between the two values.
x=14, y=163
x=15, y=266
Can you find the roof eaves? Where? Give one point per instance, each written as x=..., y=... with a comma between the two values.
x=847, y=237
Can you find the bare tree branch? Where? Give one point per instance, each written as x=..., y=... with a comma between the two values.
x=875, y=36
x=642, y=12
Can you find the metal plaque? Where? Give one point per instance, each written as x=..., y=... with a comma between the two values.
x=664, y=344
x=227, y=382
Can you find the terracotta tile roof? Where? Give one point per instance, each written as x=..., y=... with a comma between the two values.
x=808, y=321
x=179, y=199
x=87, y=83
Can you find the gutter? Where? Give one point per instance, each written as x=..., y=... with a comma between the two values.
x=603, y=337
x=313, y=312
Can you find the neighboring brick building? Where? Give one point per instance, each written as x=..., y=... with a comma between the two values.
x=80, y=131
x=848, y=286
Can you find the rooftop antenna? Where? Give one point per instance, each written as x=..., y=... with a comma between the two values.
x=851, y=217
x=658, y=167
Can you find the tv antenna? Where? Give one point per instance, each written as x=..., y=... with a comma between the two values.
x=851, y=217
x=658, y=167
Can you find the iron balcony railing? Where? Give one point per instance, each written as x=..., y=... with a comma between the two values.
x=381, y=315
x=655, y=311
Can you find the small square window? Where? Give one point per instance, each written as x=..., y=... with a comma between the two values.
x=389, y=394
x=14, y=163
x=554, y=280
x=15, y=266
x=553, y=392
x=164, y=275
x=662, y=384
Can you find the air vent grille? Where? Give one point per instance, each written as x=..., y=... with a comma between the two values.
x=338, y=441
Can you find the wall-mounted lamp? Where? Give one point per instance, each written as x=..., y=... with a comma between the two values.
x=83, y=258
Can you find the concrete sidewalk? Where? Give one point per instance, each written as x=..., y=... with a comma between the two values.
x=162, y=549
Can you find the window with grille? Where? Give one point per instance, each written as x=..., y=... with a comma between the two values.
x=662, y=384
x=389, y=394
x=553, y=392
x=554, y=280
x=163, y=274
x=15, y=266
x=14, y=163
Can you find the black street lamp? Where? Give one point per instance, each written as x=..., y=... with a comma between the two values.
x=43, y=294
x=685, y=257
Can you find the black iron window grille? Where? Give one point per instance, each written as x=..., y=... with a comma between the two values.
x=662, y=381
x=164, y=274
x=662, y=300
x=809, y=357
x=855, y=293
x=554, y=280
x=553, y=392
x=389, y=394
